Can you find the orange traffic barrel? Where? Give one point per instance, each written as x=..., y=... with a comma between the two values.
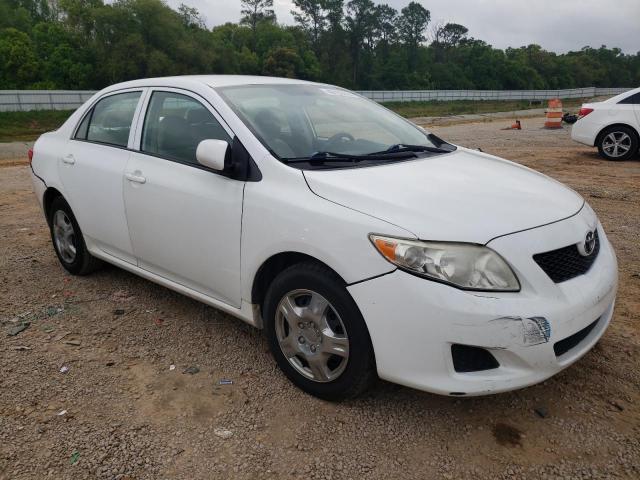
x=554, y=114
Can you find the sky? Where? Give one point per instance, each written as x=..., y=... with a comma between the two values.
x=556, y=25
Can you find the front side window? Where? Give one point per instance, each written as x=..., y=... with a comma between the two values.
x=297, y=121
x=175, y=124
x=110, y=120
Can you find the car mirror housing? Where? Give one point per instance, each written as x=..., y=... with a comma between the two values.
x=214, y=154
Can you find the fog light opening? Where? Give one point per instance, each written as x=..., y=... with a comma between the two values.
x=468, y=359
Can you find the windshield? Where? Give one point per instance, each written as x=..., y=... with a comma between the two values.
x=298, y=121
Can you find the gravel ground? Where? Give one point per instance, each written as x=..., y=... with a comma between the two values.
x=122, y=412
x=11, y=153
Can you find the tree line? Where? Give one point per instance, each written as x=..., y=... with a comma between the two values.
x=89, y=44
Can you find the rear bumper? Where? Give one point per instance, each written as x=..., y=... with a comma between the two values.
x=414, y=322
x=584, y=131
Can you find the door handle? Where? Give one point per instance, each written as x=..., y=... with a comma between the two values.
x=135, y=178
x=69, y=159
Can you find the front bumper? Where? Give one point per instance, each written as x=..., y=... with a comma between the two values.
x=414, y=322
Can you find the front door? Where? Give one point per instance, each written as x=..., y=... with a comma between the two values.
x=184, y=220
x=92, y=168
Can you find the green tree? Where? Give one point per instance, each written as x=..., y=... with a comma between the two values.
x=256, y=11
x=18, y=60
x=311, y=16
x=283, y=62
x=414, y=19
x=191, y=17
x=360, y=21
x=357, y=43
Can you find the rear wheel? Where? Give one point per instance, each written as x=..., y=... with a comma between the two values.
x=317, y=334
x=618, y=143
x=68, y=241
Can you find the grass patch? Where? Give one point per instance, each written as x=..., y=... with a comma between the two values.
x=25, y=126
x=461, y=107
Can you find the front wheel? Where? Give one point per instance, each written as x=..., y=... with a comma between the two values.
x=317, y=334
x=618, y=143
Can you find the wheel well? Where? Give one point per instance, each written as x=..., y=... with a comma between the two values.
x=49, y=196
x=608, y=127
x=272, y=267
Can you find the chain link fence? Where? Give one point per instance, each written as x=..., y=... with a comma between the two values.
x=26, y=100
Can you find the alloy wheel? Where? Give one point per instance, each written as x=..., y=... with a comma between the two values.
x=616, y=144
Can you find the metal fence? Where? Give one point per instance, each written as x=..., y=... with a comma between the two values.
x=25, y=100
x=448, y=95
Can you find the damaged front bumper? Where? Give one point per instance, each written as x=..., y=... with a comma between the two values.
x=532, y=334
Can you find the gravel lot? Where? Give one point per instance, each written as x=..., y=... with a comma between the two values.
x=128, y=415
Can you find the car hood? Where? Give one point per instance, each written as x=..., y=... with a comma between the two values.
x=464, y=196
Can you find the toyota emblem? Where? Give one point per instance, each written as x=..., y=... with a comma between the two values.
x=589, y=244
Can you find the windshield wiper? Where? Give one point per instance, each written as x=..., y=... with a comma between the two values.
x=321, y=157
x=401, y=147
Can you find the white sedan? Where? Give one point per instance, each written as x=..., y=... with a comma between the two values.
x=365, y=246
x=613, y=126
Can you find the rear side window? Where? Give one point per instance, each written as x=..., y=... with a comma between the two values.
x=110, y=120
x=174, y=126
x=633, y=99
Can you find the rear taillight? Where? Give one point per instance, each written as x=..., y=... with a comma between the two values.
x=584, y=112
x=30, y=155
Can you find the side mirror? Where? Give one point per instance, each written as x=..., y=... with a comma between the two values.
x=214, y=154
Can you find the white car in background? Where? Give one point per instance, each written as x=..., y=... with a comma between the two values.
x=612, y=125
x=361, y=243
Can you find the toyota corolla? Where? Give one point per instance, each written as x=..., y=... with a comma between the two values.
x=364, y=245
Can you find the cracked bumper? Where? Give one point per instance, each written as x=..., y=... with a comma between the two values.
x=413, y=322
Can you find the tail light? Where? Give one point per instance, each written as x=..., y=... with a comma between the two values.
x=584, y=111
x=30, y=155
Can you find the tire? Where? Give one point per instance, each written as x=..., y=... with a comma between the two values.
x=68, y=241
x=617, y=143
x=338, y=326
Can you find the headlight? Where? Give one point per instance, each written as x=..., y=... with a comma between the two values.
x=467, y=266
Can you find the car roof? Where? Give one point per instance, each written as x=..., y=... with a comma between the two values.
x=209, y=80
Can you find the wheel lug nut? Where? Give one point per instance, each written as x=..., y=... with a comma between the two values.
x=301, y=325
x=300, y=339
x=313, y=348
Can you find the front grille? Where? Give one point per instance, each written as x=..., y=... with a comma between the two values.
x=572, y=341
x=566, y=263
x=472, y=359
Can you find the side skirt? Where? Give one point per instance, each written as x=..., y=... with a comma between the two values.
x=247, y=312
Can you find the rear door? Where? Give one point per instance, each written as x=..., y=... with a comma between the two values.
x=92, y=169
x=184, y=219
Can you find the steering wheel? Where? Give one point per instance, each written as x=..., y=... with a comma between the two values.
x=338, y=139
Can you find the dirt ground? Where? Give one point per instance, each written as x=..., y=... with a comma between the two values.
x=121, y=412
